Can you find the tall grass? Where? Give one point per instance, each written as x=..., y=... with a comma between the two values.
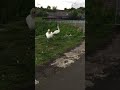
x=42, y=26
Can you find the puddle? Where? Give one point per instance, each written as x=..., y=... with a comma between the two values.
x=63, y=63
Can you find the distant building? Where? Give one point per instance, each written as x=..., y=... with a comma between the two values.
x=58, y=14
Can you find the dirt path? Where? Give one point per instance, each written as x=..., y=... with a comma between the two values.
x=102, y=69
x=66, y=73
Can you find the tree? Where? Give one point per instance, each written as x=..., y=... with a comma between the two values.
x=72, y=8
x=73, y=14
x=42, y=13
x=65, y=9
x=41, y=7
x=48, y=7
x=54, y=8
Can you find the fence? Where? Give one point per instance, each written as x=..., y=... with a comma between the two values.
x=78, y=23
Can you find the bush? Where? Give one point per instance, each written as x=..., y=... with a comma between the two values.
x=42, y=26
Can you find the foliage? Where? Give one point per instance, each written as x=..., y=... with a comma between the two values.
x=48, y=7
x=42, y=13
x=54, y=8
x=73, y=13
x=42, y=26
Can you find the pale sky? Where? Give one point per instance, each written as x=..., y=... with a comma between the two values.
x=61, y=4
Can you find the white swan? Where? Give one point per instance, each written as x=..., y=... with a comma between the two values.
x=49, y=34
x=30, y=19
x=57, y=31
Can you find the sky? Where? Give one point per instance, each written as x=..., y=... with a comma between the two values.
x=61, y=4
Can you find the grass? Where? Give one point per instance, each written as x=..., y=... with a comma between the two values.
x=47, y=51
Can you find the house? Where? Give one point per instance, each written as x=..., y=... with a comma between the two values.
x=58, y=14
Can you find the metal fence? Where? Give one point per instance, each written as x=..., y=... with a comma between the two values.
x=79, y=23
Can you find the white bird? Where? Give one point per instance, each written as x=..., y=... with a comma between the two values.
x=49, y=34
x=57, y=31
x=30, y=19
x=36, y=82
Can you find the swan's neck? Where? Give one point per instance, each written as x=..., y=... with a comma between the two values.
x=32, y=16
x=49, y=32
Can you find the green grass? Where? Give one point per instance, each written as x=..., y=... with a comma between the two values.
x=46, y=51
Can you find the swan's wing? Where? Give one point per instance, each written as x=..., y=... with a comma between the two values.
x=56, y=31
x=46, y=34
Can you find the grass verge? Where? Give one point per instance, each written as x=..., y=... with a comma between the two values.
x=47, y=50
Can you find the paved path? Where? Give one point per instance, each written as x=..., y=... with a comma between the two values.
x=70, y=78
x=102, y=69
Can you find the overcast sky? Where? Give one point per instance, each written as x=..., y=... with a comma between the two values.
x=61, y=4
